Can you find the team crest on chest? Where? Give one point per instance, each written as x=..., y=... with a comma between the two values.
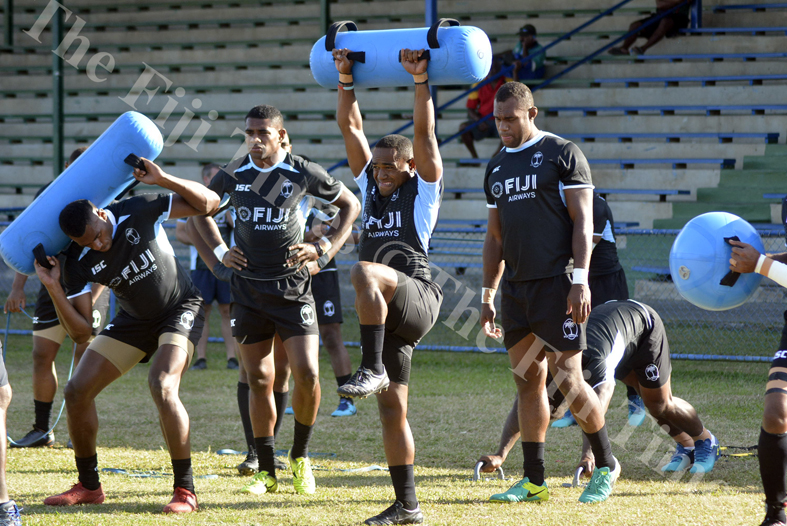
x=286, y=189
x=497, y=189
x=132, y=236
x=537, y=159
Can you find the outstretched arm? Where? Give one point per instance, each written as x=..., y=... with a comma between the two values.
x=507, y=440
x=426, y=150
x=191, y=198
x=348, y=115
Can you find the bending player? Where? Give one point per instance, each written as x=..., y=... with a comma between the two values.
x=48, y=336
x=626, y=340
x=271, y=282
x=772, y=447
x=125, y=248
x=539, y=195
x=395, y=298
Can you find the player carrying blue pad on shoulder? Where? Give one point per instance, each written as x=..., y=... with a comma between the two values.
x=124, y=247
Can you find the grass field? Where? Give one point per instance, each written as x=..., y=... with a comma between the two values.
x=458, y=402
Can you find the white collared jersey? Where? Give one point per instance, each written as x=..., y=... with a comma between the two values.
x=526, y=185
x=397, y=229
x=269, y=209
x=140, y=267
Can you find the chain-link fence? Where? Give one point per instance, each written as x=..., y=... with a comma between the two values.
x=751, y=330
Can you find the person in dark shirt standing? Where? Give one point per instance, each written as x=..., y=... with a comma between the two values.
x=271, y=282
x=125, y=248
x=395, y=298
x=539, y=195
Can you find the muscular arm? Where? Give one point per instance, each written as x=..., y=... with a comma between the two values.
x=493, y=251
x=426, y=151
x=341, y=226
x=181, y=233
x=507, y=440
x=579, y=203
x=16, y=299
x=191, y=198
x=76, y=315
x=348, y=117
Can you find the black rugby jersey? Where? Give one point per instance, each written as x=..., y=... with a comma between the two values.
x=616, y=331
x=140, y=267
x=268, y=215
x=526, y=186
x=397, y=229
x=604, y=259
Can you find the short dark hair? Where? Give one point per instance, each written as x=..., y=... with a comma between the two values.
x=264, y=111
x=75, y=217
x=76, y=153
x=401, y=144
x=207, y=168
x=516, y=90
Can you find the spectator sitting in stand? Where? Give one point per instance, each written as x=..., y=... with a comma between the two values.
x=479, y=104
x=666, y=27
x=528, y=47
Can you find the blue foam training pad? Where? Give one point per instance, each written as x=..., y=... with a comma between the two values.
x=99, y=174
x=464, y=56
x=700, y=258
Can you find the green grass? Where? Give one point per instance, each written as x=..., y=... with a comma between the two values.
x=458, y=402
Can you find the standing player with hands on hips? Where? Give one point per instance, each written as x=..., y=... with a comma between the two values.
x=271, y=280
x=124, y=247
x=395, y=298
x=540, y=198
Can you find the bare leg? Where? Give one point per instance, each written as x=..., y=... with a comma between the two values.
x=665, y=26
x=166, y=370
x=374, y=286
x=44, y=374
x=566, y=368
x=258, y=364
x=677, y=414
x=397, y=437
x=331, y=334
x=5, y=400
x=281, y=383
x=202, y=345
x=302, y=352
x=226, y=330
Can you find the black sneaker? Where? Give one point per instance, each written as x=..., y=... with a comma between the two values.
x=232, y=363
x=396, y=514
x=774, y=514
x=249, y=467
x=364, y=383
x=200, y=365
x=35, y=438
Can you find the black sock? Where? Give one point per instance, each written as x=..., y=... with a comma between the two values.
x=772, y=453
x=300, y=442
x=602, y=449
x=404, y=485
x=43, y=414
x=266, y=449
x=533, y=464
x=372, y=338
x=341, y=380
x=631, y=392
x=88, y=472
x=183, y=475
x=280, y=400
x=245, y=417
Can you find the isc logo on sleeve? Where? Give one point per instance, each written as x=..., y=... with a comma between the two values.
x=242, y=187
x=98, y=268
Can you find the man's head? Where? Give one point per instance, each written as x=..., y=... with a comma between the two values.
x=88, y=226
x=527, y=35
x=75, y=155
x=392, y=163
x=515, y=114
x=264, y=132
x=209, y=171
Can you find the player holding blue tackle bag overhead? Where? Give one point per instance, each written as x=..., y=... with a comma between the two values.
x=457, y=54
